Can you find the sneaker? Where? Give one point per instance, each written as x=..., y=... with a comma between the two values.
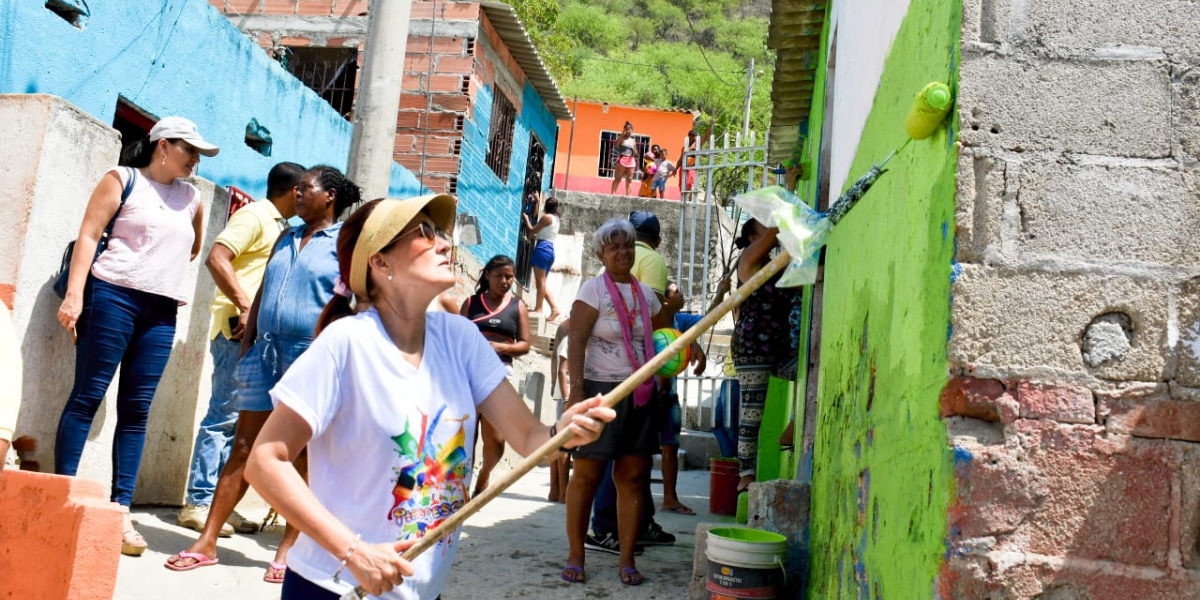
x=193, y=517
x=655, y=536
x=607, y=542
x=241, y=524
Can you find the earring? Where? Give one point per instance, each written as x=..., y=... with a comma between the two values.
x=389, y=277
x=163, y=162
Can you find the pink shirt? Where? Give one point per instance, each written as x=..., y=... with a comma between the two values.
x=151, y=243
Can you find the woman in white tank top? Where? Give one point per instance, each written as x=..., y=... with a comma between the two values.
x=542, y=259
x=121, y=305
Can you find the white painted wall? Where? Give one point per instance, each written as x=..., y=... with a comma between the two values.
x=865, y=32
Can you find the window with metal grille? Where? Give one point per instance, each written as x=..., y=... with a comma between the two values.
x=500, y=138
x=330, y=72
x=608, y=153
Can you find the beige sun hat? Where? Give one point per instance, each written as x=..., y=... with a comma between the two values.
x=390, y=217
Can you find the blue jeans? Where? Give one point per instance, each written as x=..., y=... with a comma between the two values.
x=215, y=436
x=726, y=433
x=118, y=326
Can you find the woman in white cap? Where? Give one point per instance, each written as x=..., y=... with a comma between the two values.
x=120, y=304
x=383, y=400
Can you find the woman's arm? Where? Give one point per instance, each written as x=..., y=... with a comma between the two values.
x=105, y=200
x=583, y=320
x=198, y=229
x=377, y=567
x=755, y=254
x=251, y=330
x=542, y=223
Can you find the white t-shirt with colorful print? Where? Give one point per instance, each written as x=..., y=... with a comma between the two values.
x=392, y=446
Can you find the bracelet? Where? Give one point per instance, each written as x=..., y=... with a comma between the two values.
x=349, y=553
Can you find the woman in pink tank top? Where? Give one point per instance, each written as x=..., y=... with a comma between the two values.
x=120, y=305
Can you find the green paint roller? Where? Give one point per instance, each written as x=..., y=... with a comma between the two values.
x=928, y=110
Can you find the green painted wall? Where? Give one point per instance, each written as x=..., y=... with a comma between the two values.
x=882, y=473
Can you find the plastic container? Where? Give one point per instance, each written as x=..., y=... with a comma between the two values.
x=722, y=486
x=744, y=563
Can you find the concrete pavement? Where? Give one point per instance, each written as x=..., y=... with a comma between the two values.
x=513, y=548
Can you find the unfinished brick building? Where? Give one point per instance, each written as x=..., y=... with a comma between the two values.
x=478, y=113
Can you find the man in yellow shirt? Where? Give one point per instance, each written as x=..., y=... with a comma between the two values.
x=10, y=374
x=236, y=261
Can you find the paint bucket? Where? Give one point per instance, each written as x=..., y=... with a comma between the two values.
x=722, y=486
x=744, y=563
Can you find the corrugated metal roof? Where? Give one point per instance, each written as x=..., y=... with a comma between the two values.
x=795, y=35
x=509, y=26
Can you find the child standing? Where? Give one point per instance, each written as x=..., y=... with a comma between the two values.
x=663, y=170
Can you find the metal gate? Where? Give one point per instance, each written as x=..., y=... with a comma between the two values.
x=711, y=176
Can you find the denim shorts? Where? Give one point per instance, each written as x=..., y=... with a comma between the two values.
x=263, y=366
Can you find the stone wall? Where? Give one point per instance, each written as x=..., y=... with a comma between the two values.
x=1076, y=318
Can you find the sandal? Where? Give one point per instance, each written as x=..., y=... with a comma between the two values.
x=630, y=576
x=573, y=574
x=275, y=572
x=132, y=543
x=680, y=510
x=198, y=560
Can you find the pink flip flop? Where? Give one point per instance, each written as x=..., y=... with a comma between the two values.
x=276, y=569
x=201, y=561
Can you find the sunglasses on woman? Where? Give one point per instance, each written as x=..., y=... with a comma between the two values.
x=427, y=231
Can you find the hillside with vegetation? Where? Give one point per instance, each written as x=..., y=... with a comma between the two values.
x=685, y=54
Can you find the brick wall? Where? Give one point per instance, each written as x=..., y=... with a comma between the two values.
x=1076, y=339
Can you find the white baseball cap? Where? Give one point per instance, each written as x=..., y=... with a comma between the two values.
x=179, y=128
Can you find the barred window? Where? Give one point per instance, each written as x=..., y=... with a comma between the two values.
x=330, y=72
x=608, y=153
x=500, y=138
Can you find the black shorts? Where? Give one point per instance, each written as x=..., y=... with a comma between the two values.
x=633, y=432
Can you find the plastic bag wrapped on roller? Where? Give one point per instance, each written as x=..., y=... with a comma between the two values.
x=802, y=230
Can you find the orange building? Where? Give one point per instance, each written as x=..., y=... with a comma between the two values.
x=583, y=162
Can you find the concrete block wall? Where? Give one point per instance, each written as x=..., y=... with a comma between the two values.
x=1075, y=343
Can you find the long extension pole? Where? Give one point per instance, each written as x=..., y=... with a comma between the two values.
x=610, y=399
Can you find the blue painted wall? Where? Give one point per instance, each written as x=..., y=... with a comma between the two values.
x=178, y=57
x=497, y=203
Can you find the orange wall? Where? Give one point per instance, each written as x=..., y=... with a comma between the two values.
x=668, y=129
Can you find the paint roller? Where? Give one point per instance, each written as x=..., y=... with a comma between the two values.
x=929, y=109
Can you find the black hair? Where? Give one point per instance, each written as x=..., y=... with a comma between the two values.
x=140, y=153
x=628, y=124
x=283, y=179
x=551, y=206
x=749, y=228
x=346, y=193
x=498, y=261
x=692, y=132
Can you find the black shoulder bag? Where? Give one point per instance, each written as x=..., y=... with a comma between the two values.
x=64, y=270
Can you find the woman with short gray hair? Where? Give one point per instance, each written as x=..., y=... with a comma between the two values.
x=610, y=338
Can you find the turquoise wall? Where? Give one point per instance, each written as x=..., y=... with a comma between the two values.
x=495, y=201
x=178, y=57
